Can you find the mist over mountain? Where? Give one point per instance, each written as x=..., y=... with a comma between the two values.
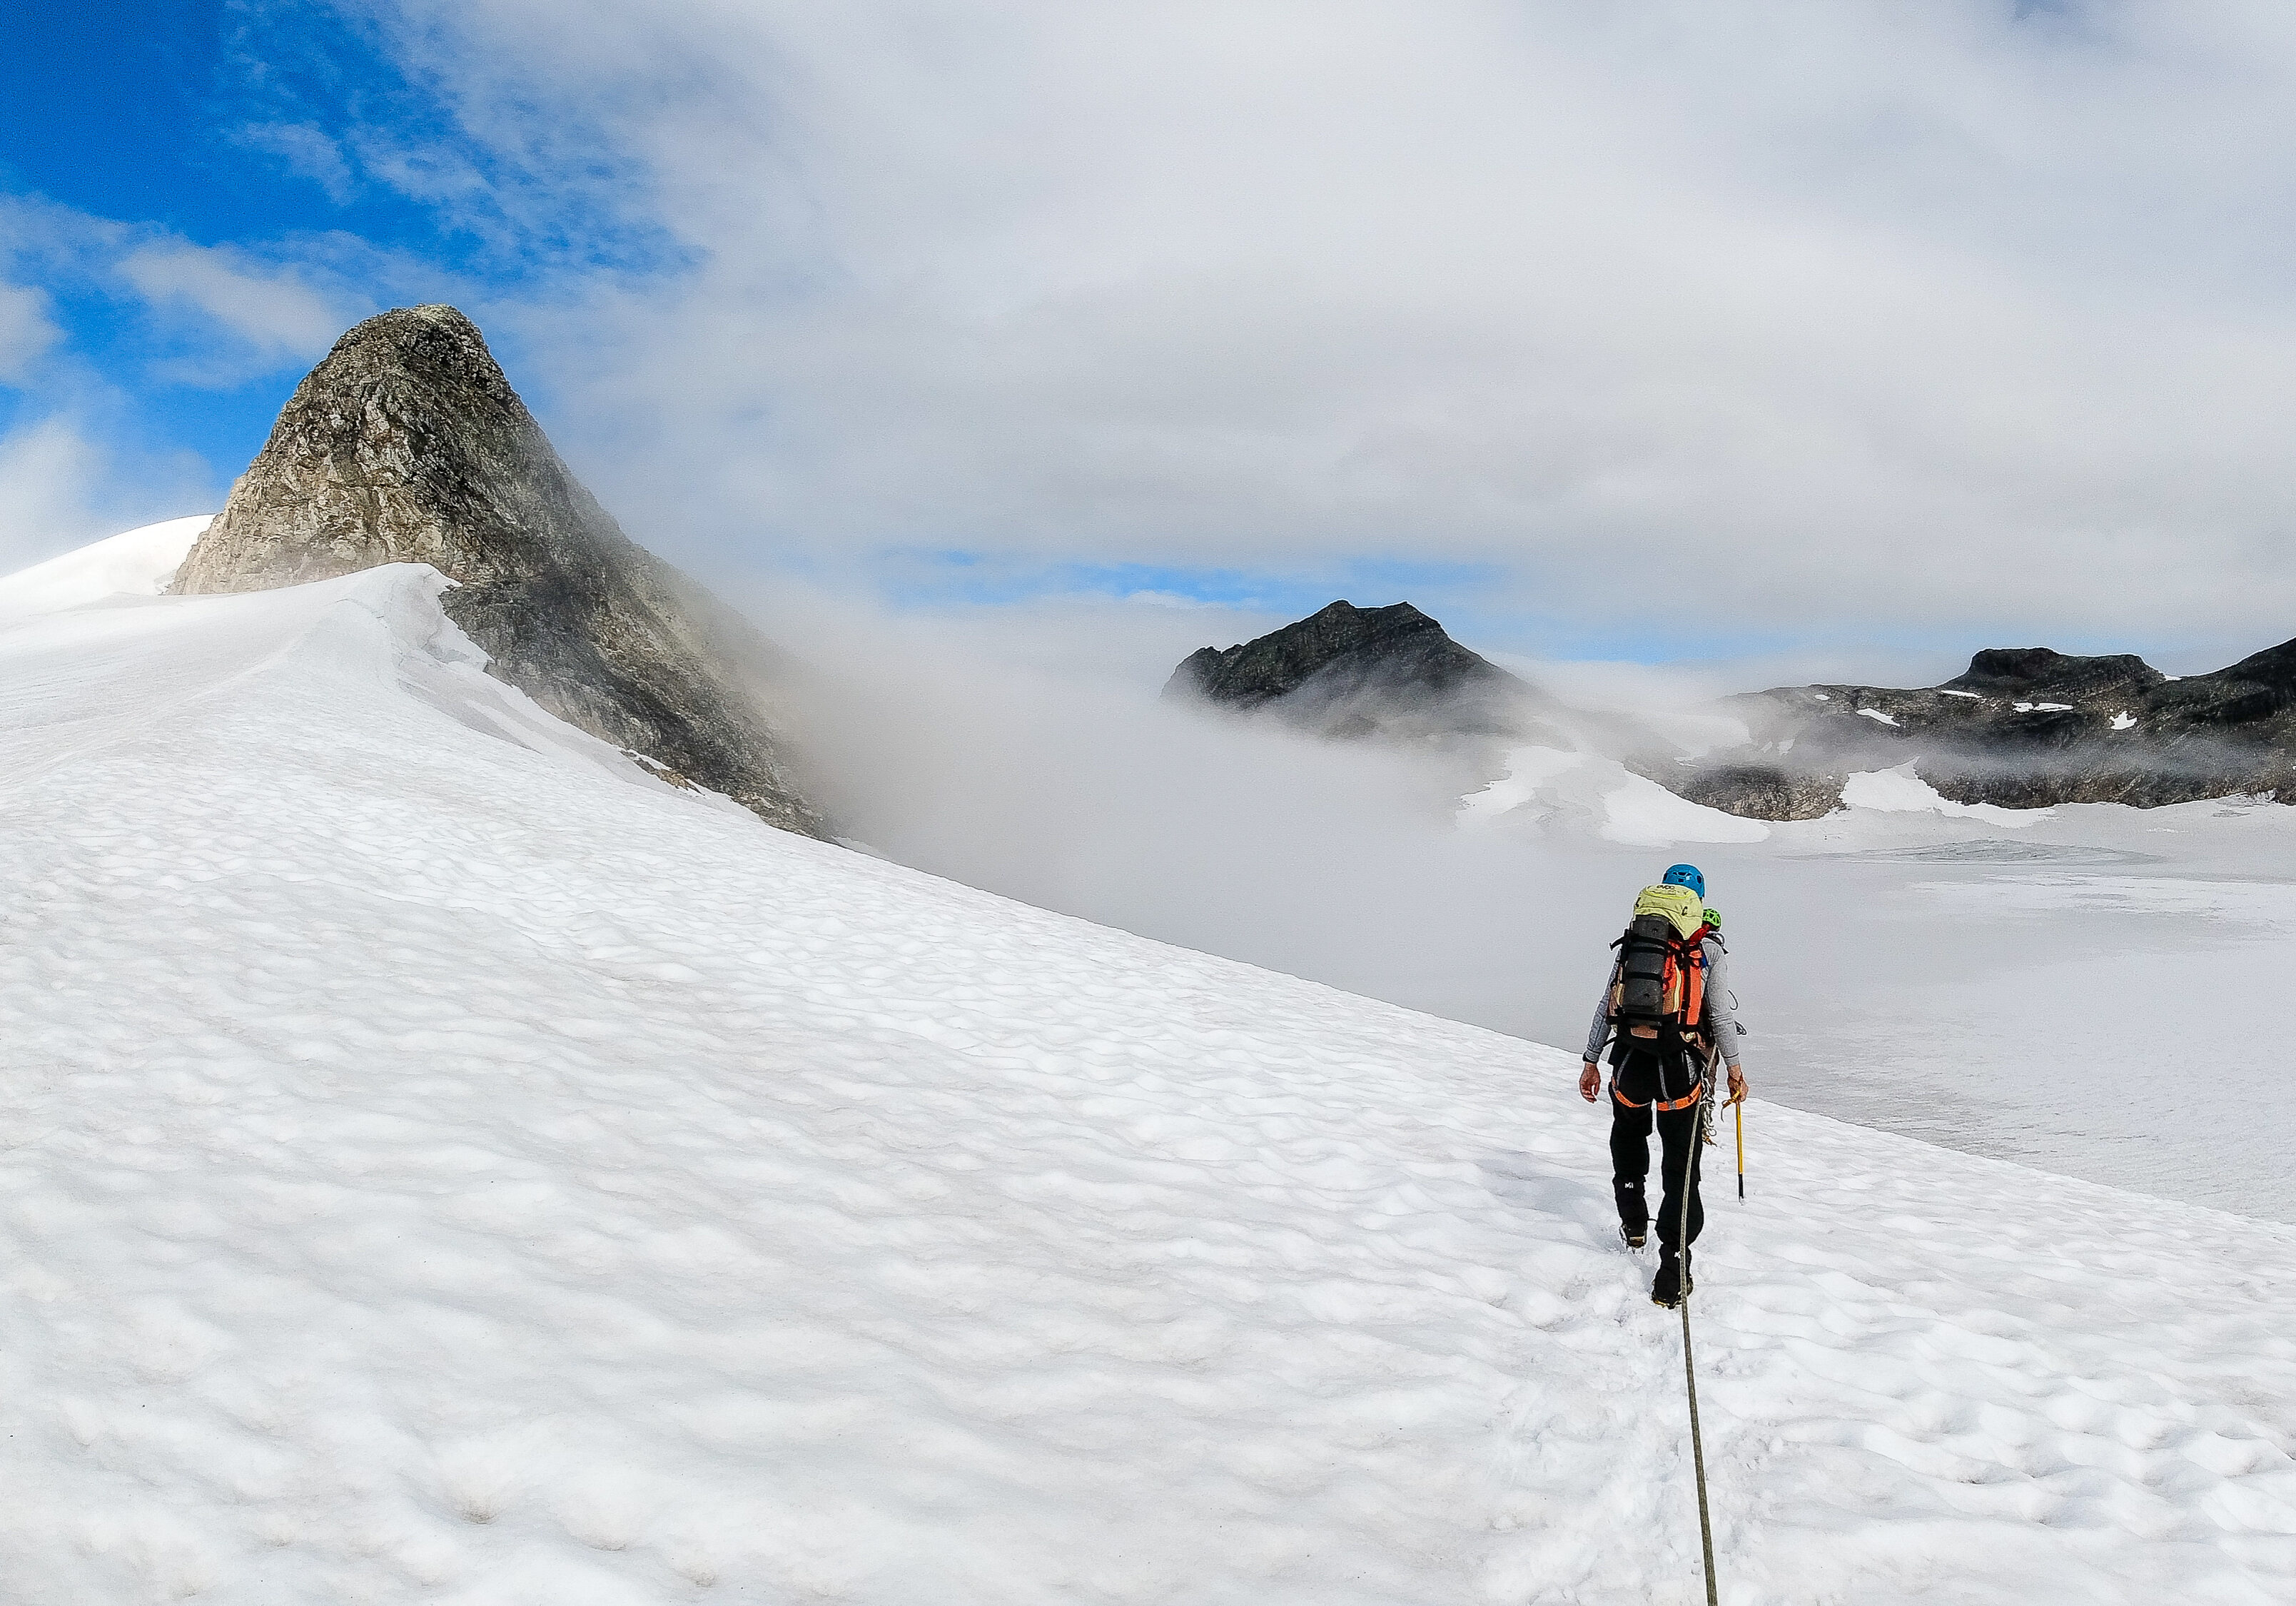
x=2023, y=727
x=1352, y=672
x=407, y=444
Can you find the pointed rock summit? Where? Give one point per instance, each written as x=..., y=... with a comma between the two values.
x=406, y=444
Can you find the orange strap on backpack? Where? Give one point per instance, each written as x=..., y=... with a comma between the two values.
x=1694, y=992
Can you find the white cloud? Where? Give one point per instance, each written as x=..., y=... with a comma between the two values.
x=271, y=310
x=26, y=332
x=1905, y=318
x=305, y=151
x=61, y=488
x=66, y=478
x=48, y=482
x=216, y=315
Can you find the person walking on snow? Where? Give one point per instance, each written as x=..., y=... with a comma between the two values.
x=1668, y=1073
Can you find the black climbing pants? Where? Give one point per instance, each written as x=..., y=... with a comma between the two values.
x=1644, y=1078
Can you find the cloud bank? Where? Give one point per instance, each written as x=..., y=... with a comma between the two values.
x=1851, y=320
x=268, y=310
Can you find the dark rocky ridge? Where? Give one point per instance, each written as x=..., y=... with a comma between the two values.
x=1355, y=672
x=406, y=444
x=2023, y=727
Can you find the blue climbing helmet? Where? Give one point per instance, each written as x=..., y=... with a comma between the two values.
x=1685, y=875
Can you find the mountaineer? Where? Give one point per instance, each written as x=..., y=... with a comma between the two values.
x=1664, y=1012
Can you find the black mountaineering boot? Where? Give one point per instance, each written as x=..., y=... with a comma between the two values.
x=1634, y=1213
x=1673, y=1280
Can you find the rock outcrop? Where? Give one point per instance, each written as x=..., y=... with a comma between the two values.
x=406, y=444
x=1355, y=672
x=2023, y=727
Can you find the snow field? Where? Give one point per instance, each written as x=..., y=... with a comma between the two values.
x=1548, y=789
x=440, y=1162
x=135, y=563
x=1899, y=790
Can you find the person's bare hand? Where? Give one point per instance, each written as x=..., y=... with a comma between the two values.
x=1737, y=1085
x=1590, y=1082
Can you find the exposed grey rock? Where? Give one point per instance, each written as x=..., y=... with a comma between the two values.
x=1355, y=672
x=1759, y=792
x=2023, y=727
x=406, y=444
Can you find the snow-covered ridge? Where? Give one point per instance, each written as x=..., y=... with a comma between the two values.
x=1551, y=789
x=139, y=563
x=451, y=1167
x=1548, y=789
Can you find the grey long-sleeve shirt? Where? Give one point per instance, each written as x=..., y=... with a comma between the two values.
x=1721, y=1020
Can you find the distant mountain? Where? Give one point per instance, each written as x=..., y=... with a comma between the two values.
x=1357, y=672
x=2024, y=727
x=408, y=445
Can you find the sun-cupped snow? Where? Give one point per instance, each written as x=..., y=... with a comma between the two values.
x=137, y=563
x=439, y=1161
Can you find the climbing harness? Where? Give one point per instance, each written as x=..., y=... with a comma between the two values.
x=1697, y=1091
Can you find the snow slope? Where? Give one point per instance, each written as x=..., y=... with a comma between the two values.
x=1900, y=790
x=440, y=1162
x=139, y=563
x=2047, y=986
x=1551, y=789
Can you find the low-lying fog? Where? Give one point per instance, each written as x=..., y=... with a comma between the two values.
x=2096, y=992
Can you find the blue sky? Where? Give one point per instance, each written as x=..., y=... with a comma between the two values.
x=1851, y=334
x=285, y=133
x=144, y=114
x=238, y=126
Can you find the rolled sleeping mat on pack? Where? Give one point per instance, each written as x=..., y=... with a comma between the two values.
x=1658, y=979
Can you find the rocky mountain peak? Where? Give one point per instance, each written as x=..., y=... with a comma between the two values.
x=408, y=445
x=1351, y=671
x=2038, y=671
x=2273, y=668
x=2026, y=727
x=1281, y=662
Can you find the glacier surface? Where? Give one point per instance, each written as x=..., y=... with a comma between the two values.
x=440, y=1160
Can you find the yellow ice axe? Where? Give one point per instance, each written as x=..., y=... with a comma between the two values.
x=1739, y=1107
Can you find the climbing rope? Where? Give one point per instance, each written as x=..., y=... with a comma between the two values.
x=1689, y=1366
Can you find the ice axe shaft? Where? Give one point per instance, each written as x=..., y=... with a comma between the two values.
x=1739, y=1110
